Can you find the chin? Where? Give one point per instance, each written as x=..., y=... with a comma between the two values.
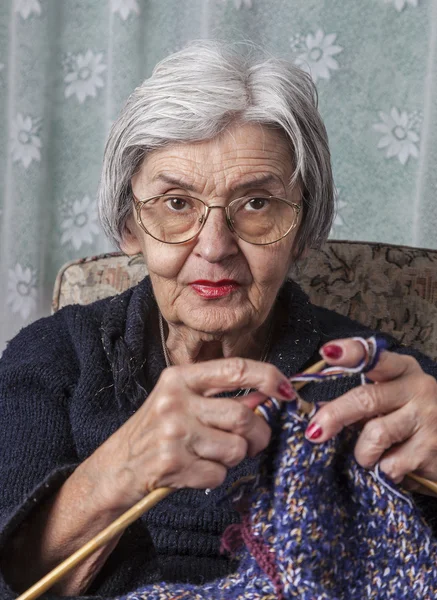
x=217, y=320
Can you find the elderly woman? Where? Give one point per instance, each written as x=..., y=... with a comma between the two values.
x=218, y=172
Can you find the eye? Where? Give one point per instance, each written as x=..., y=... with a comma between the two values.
x=177, y=204
x=256, y=204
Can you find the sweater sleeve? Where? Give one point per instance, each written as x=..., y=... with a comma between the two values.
x=37, y=454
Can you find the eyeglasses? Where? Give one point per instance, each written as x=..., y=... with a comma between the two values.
x=176, y=219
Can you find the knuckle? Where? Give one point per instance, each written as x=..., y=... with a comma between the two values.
x=169, y=375
x=272, y=375
x=391, y=469
x=417, y=413
x=410, y=362
x=366, y=461
x=377, y=434
x=236, y=451
x=424, y=417
x=333, y=415
x=234, y=370
x=172, y=429
x=395, y=468
x=165, y=404
x=367, y=398
x=243, y=419
x=427, y=386
x=169, y=463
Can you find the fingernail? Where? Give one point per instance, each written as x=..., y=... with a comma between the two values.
x=313, y=432
x=332, y=351
x=286, y=390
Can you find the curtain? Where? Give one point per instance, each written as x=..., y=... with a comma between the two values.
x=67, y=66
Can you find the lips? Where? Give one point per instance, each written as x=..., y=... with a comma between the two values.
x=211, y=290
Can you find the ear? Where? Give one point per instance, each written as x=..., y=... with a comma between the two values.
x=130, y=243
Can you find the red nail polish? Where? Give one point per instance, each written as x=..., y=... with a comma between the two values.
x=313, y=432
x=332, y=351
x=286, y=390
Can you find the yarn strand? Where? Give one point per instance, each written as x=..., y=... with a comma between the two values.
x=269, y=411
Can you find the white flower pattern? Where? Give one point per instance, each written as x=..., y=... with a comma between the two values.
x=125, y=7
x=22, y=291
x=399, y=137
x=83, y=77
x=25, y=141
x=80, y=223
x=401, y=4
x=316, y=53
x=338, y=218
x=28, y=7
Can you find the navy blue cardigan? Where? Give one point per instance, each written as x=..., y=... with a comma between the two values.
x=68, y=381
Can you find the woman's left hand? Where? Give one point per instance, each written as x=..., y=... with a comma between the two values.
x=399, y=413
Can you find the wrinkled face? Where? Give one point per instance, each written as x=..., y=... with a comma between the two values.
x=246, y=160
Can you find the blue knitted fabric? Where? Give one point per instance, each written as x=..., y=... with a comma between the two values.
x=326, y=528
x=69, y=381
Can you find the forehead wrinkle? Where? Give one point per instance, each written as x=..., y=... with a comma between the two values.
x=255, y=180
x=173, y=169
x=175, y=180
x=276, y=154
x=233, y=182
x=222, y=166
x=254, y=173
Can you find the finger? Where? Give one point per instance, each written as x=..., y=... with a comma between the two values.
x=253, y=399
x=201, y=474
x=228, y=374
x=412, y=455
x=219, y=446
x=380, y=434
x=350, y=352
x=361, y=402
x=229, y=415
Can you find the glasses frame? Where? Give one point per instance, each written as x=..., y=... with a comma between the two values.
x=207, y=209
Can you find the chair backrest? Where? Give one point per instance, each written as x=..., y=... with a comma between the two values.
x=391, y=288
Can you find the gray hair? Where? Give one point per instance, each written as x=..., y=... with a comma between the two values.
x=193, y=95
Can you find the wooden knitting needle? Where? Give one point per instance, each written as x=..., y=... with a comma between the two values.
x=427, y=483
x=120, y=524
x=102, y=538
x=141, y=507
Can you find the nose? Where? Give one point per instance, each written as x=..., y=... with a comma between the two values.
x=216, y=242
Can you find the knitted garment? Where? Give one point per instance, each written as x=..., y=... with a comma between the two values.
x=69, y=381
x=320, y=527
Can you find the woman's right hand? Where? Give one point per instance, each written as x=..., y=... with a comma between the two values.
x=183, y=437
x=179, y=437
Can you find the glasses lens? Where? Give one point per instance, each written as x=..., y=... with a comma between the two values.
x=262, y=220
x=172, y=219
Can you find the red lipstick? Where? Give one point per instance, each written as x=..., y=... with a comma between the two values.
x=211, y=290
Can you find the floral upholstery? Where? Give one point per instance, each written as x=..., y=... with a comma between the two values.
x=391, y=288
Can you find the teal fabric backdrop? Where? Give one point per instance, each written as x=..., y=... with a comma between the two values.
x=66, y=67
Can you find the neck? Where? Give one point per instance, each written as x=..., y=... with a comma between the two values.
x=187, y=346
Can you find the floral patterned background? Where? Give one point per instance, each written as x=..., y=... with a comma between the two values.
x=66, y=67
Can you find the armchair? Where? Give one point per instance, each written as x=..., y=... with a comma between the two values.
x=387, y=287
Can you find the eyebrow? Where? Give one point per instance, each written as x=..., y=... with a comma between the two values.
x=250, y=183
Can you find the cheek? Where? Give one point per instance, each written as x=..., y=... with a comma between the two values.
x=164, y=260
x=269, y=265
